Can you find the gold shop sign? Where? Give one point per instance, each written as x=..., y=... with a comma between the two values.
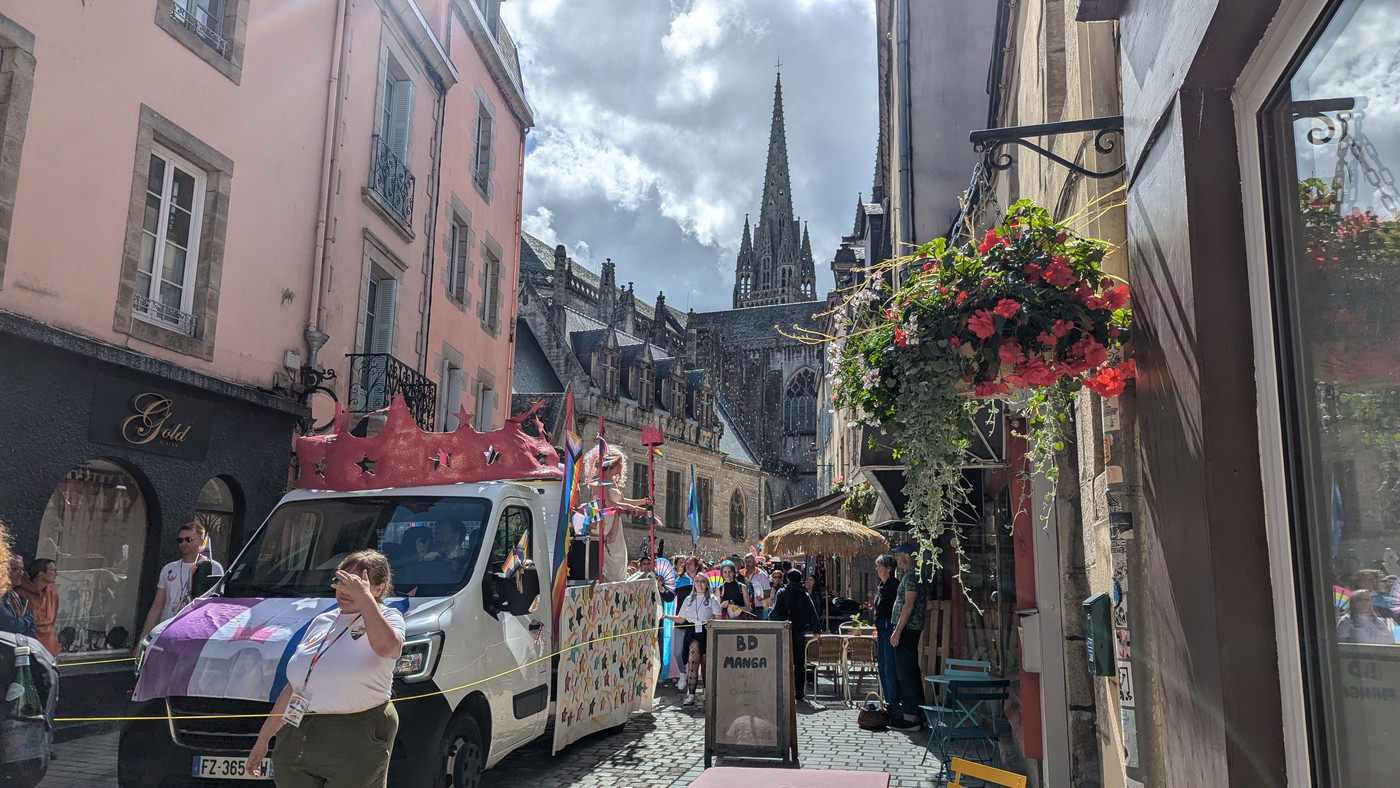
x=139, y=416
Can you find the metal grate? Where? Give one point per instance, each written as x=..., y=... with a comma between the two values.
x=393, y=180
x=182, y=15
x=185, y=322
x=215, y=735
x=376, y=377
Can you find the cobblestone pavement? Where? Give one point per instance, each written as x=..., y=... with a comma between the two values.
x=657, y=749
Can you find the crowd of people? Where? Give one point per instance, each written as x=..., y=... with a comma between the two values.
x=1368, y=607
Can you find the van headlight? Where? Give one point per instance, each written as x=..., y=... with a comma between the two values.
x=419, y=657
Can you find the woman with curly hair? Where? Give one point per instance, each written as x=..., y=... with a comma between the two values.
x=614, y=463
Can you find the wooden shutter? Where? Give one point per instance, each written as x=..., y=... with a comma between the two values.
x=400, y=105
x=494, y=288
x=488, y=409
x=452, y=397
x=460, y=248
x=383, y=339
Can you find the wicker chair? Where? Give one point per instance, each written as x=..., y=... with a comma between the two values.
x=862, y=658
x=826, y=655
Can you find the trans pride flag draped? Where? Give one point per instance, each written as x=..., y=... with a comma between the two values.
x=569, y=495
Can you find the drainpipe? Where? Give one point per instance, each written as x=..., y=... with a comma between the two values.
x=315, y=334
x=430, y=223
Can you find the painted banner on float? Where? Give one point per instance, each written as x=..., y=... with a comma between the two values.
x=608, y=664
x=229, y=648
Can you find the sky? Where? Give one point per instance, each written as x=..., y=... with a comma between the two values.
x=651, y=130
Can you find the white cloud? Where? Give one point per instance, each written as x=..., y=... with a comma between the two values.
x=540, y=223
x=700, y=25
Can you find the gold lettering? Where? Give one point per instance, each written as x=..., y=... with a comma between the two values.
x=151, y=411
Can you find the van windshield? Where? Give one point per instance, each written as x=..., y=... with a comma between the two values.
x=431, y=543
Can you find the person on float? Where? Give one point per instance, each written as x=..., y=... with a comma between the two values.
x=175, y=586
x=334, y=723
x=614, y=566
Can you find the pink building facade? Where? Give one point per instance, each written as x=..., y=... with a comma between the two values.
x=217, y=219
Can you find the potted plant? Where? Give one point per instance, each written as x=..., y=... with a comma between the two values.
x=1025, y=315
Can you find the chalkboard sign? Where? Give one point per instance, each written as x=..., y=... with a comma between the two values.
x=749, y=706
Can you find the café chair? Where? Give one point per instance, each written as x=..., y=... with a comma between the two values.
x=862, y=658
x=960, y=718
x=826, y=655
x=987, y=774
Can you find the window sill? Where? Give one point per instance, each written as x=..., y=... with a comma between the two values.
x=161, y=334
x=388, y=214
x=456, y=302
x=230, y=66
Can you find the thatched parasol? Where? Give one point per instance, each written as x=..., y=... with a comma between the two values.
x=825, y=535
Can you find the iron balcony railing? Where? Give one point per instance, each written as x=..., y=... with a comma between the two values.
x=184, y=322
x=393, y=180
x=376, y=377
x=189, y=17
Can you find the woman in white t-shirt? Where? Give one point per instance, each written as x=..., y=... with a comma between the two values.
x=334, y=722
x=700, y=608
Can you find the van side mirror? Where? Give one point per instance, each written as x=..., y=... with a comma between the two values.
x=514, y=595
x=202, y=578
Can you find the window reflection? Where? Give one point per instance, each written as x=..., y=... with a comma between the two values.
x=1339, y=290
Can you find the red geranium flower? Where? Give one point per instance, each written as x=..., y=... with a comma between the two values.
x=989, y=389
x=981, y=324
x=900, y=338
x=1115, y=297
x=954, y=341
x=989, y=240
x=1032, y=272
x=1007, y=308
x=1036, y=372
x=1009, y=351
x=1048, y=340
x=1107, y=382
x=962, y=295
x=1057, y=274
x=928, y=267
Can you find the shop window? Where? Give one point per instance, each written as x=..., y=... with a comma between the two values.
x=1331, y=139
x=95, y=528
x=216, y=510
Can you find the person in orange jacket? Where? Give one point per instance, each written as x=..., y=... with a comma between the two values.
x=38, y=589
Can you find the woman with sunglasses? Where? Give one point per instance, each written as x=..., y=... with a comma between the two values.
x=701, y=607
x=334, y=722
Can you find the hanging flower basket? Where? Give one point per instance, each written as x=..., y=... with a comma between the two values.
x=1025, y=315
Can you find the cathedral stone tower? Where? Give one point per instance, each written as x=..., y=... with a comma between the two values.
x=775, y=263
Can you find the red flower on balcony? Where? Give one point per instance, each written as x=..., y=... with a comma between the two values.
x=1007, y=308
x=981, y=324
x=1057, y=274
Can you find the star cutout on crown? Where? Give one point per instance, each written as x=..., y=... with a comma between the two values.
x=366, y=465
x=491, y=454
x=321, y=468
x=443, y=457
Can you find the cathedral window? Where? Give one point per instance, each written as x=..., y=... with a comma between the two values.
x=608, y=368
x=800, y=404
x=644, y=386
x=785, y=278
x=736, y=515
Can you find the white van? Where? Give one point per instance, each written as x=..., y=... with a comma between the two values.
x=474, y=681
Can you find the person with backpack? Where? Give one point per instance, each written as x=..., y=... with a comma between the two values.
x=794, y=605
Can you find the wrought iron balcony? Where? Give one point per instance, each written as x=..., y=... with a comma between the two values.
x=189, y=17
x=392, y=180
x=184, y=322
x=376, y=377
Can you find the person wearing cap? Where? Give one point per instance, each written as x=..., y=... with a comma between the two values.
x=908, y=616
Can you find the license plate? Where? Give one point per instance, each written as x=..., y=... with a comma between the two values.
x=220, y=767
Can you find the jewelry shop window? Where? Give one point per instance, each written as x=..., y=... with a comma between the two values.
x=1332, y=134
x=94, y=527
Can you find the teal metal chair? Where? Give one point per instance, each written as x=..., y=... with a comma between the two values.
x=971, y=712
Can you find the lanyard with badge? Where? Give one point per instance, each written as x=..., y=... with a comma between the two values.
x=300, y=702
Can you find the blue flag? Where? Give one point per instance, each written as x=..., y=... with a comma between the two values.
x=692, y=513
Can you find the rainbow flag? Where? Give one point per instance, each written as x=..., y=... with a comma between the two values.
x=569, y=494
x=516, y=559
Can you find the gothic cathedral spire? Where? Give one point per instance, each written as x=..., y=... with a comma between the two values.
x=775, y=266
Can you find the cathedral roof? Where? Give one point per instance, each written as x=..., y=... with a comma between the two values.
x=732, y=441
x=532, y=372
x=757, y=322
x=537, y=259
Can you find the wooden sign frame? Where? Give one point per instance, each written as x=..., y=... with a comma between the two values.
x=748, y=668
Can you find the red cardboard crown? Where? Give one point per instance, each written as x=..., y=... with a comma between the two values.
x=402, y=455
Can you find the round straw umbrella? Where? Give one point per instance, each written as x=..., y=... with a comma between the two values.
x=825, y=535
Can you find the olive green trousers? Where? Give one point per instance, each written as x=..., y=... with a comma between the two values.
x=337, y=750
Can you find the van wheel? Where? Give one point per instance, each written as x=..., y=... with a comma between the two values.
x=463, y=753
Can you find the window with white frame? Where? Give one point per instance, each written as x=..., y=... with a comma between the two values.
x=379, y=314
x=169, y=254
x=459, y=260
x=485, y=406
x=392, y=179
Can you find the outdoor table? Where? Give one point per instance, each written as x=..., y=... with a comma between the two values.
x=727, y=776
